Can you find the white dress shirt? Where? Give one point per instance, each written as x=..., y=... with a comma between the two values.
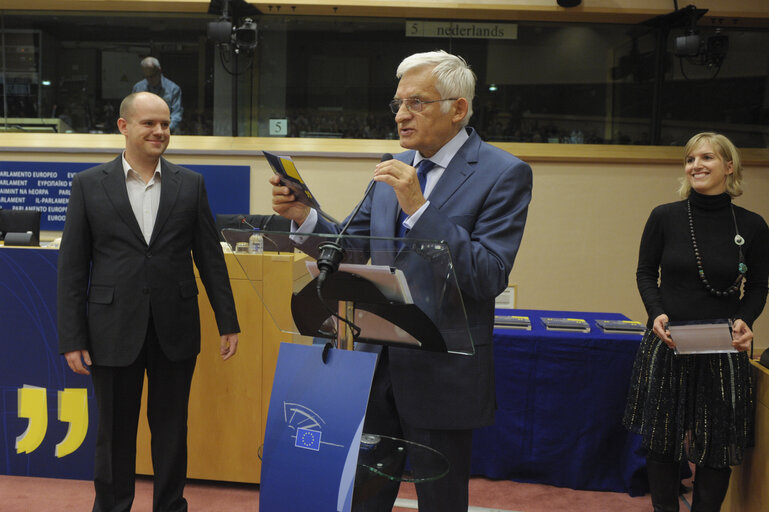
x=144, y=197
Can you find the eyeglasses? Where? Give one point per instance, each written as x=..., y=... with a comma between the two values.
x=413, y=104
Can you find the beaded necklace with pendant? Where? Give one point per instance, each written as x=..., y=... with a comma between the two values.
x=742, y=268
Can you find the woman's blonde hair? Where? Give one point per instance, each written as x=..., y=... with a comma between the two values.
x=726, y=151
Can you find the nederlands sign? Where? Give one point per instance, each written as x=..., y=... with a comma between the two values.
x=461, y=30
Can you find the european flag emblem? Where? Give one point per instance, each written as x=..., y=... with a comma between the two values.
x=307, y=439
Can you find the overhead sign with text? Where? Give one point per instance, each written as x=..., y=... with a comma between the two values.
x=461, y=30
x=45, y=187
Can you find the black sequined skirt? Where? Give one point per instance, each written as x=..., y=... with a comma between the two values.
x=698, y=407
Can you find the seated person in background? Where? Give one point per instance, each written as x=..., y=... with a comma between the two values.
x=156, y=83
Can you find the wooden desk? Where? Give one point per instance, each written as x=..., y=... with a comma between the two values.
x=229, y=400
x=749, y=485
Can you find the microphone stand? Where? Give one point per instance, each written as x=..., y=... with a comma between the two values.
x=262, y=229
x=244, y=221
x=332, y=253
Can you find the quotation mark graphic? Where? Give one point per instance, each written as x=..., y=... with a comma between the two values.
x=73, y=409
x=32, y=405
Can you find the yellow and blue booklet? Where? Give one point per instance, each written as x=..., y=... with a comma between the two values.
x=565, y=324
x=284, y=167
x=512, y=322
x=621, y=326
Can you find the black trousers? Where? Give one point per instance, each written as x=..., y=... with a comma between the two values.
x=447, y=494
x=118, y=392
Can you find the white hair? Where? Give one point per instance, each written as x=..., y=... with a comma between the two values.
x=454, y=78
x=150, y=62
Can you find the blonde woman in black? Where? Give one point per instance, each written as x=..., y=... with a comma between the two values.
x=701, y=258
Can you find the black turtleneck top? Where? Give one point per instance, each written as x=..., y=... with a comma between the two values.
x=667, y=274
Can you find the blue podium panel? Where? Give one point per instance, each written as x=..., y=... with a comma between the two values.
x=314, y=425
x=46, y=409
x=561, y=397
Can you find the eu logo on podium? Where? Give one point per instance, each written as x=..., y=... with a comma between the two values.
x=308, y=439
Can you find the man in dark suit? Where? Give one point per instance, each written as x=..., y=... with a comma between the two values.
x=476, y=199
x=127, y=301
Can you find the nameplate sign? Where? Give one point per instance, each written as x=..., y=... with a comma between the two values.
x=461, y=30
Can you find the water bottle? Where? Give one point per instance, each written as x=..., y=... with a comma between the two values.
x=256, y=243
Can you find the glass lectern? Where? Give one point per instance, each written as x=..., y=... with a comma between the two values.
x=363, y=293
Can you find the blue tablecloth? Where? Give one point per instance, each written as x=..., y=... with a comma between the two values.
x=560, y=398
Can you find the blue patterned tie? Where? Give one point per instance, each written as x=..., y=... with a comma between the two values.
x=423, y=167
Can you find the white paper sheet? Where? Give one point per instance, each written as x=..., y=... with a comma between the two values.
x=702, y=338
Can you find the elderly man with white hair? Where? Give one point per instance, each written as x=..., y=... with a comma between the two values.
x=448, y=185
x=156, y=83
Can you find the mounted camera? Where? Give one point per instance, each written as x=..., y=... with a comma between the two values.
x=702, y=51
x=245, y=35
x=224, y=31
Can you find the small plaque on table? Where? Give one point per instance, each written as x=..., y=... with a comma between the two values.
x=621, y=326
x=512, y=322
x=566, y=324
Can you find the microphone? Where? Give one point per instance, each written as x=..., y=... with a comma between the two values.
x=244, y=221
x=331, y=253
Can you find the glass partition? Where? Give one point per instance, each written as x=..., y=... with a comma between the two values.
x=386, y=291
x=656, y=82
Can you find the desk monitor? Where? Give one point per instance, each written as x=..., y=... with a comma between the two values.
x=17, y=223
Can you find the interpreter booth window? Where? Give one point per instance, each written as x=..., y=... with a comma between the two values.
x=333, y=77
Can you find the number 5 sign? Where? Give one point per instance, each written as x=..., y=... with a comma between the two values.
x=279, y=127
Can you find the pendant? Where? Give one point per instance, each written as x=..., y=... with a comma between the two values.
x=742, y=268
x=739, y=240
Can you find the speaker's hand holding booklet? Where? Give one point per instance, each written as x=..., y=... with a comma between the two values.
x=284, y=167
x=702, y=336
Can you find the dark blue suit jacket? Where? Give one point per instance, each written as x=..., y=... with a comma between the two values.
x=478, y=207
